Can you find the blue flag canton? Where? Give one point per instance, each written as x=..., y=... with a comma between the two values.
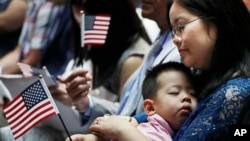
x=33, y=95
x=89, y=22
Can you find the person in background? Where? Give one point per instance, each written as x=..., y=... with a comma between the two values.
x=118, y=40
x=212, y=37
x=133, y=42
x=169, y=98
x=12, y=14
x=131, y=38
x=247, y=3
x=162, y=50
x=43, y=41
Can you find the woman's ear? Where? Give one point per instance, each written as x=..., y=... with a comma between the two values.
x=148, y=105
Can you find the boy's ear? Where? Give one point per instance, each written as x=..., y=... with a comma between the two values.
x=148, y=105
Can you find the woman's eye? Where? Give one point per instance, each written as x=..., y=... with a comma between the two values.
x=180, y=28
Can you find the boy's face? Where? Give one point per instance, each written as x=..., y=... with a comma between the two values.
x=175, y=98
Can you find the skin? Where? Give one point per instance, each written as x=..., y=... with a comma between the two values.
x=7, y=65
x=197, y=43
x=150, y=9
x=129, y=66
x=105, y=127
x=77, y=11
x=155, y=10
x=1, y=102
x=12, y=18
x=78, y=85
x=175, y=99
x=247, y=3
x=195, y=46
x=9, y=61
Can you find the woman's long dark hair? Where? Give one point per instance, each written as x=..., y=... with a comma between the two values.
x=231, y=53
x=124, y=26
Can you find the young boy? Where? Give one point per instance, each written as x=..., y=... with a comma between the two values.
x=169, y=98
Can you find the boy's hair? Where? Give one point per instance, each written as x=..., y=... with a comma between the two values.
x=150, y=85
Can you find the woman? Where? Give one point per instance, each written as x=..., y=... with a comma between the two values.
x=125, y=32
x=219, y=48
x=212, y=37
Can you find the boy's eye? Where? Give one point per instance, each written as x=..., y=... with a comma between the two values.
x=193, y=93
x=173, y=93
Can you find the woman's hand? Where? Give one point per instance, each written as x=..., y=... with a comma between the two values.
x=78, y=85
x=120, y=128
x=83, y=137
x=59, y=93
x=113, y=127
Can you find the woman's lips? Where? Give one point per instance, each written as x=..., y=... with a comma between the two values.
x=182, y=52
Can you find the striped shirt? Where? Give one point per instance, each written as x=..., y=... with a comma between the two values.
x=39, y=29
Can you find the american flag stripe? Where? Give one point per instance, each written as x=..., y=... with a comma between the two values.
x=21, y=120
x=100, y=27
x=32, y=123
x=26, y=69
x=96, y=36
x=95, y=29
x=20, y=115
x=27, y=109
x=96, y=32
x=96, y=41
x=103, y=17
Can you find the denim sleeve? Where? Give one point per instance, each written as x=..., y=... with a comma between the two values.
x=142, y=117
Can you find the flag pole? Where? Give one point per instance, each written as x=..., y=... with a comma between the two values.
x=64, y=126
x=54, y=105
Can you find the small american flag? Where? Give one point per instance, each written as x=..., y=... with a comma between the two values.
x=32, y=106
x=94, y=29
x=29, y=71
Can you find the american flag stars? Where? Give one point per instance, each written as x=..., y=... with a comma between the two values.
x=34, y=95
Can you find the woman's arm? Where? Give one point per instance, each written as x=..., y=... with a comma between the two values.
x=116, y=127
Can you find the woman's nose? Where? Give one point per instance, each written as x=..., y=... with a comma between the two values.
x=176, y=40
